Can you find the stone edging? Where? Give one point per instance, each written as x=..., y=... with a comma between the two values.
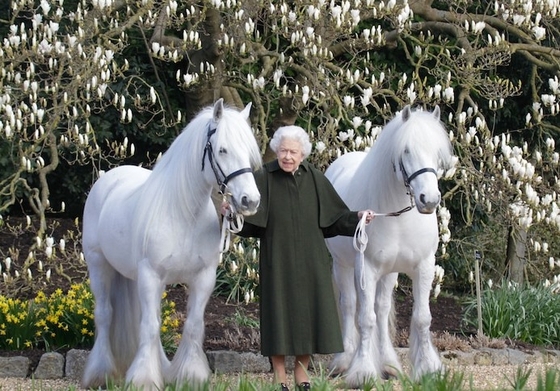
x=56, y=366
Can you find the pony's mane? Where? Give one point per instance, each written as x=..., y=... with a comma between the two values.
x=421, y=132
x=176, y=186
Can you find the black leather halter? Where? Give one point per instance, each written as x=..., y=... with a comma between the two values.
x=407, y=179
x=221, y=178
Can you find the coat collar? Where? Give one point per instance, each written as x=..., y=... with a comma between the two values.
x=275, y=166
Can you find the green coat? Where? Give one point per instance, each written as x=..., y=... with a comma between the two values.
x=298, y=311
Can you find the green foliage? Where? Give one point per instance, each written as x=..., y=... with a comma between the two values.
x=519, y=382
x=446, y=381
x=530, y=314
x=550, y=381
x=242, y=319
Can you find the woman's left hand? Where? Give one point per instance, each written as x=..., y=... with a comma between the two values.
x=369, y=214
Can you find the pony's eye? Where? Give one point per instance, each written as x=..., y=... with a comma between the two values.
x=222, y=150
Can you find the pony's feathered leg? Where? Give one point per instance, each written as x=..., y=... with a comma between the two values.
x=385, y=324
x=423, y=355
x=366, y=364
x=146, y=369
x=100, y=365
x=344, y=279
x=190, y=363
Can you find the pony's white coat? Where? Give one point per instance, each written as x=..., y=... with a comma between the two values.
x=143, y=230
x=412, y=141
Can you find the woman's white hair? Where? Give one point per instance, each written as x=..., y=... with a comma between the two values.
x=291, y=132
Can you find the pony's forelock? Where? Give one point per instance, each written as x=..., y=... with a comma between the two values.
x=421, y=132
x=235, y=132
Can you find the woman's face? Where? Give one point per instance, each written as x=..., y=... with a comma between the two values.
x=290, y=155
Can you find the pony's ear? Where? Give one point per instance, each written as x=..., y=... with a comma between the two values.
x=218, y=110
x=406, y=113
x=437, y=112
x=247, y=110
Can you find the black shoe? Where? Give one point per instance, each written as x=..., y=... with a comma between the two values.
x=305, y=386
x=284, y=387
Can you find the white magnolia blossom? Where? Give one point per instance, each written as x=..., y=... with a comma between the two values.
x=320, y=147
x=539, y=32
x=357, y=122
x=437, y=290
x=449, y=95
x=439, y=273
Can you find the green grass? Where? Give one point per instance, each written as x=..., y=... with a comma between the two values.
x=448, y=381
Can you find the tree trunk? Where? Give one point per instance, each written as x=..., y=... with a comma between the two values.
x=516, y=249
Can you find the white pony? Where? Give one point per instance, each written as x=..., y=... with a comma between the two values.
x=399, y=171
x=145, y=229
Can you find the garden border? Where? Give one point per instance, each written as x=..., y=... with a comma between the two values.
x=54, y=365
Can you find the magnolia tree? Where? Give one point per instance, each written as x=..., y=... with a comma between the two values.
x=341, y=68
x=62, y=68
x=338, y=69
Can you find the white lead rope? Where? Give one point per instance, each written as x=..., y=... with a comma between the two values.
x=360, y=239
x=231, y=223
x=360, y=243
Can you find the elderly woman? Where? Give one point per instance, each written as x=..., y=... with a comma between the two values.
x=299, y=209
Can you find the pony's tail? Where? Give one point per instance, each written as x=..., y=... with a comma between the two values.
x=126, y=321
x=111, y=357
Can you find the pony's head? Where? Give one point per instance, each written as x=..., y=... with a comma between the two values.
x=422, y=151
x=231, y=154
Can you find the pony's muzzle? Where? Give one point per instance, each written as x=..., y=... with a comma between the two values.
x=428, y=205
x=248, y=205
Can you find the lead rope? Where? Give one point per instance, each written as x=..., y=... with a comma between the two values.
x=232, y=222
x=360, y=243
x=360, y=239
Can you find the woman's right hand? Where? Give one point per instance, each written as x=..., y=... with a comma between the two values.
x=224, y=208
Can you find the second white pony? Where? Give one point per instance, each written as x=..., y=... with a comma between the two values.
x=398, y=177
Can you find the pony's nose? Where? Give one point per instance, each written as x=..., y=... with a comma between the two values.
x=429, y=205
x=249, y=204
